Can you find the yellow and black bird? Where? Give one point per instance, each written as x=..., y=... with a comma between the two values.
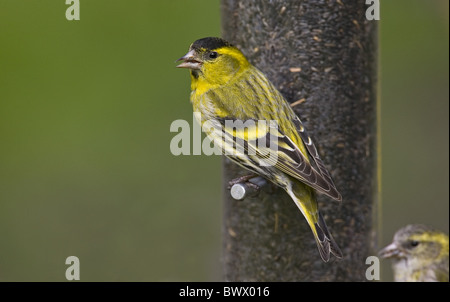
x=419, y=253
x=253, y=125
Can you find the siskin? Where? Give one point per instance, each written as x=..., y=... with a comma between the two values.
x=272, y=142
x=419, y=253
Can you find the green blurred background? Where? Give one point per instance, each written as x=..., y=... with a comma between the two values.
x=85, y=110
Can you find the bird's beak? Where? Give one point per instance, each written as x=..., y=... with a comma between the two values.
x=390, y=251
x=190, y=61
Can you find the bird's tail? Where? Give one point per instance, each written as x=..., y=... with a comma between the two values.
x=325, y=242
x=306, y=202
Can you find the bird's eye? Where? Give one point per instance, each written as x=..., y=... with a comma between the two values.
x=414, y=243
x=213, y=54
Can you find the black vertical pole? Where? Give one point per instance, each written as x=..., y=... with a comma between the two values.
x=322, y=54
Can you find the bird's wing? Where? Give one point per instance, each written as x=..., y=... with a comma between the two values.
x=308, y=168
x=314, y=155
x=266, y=143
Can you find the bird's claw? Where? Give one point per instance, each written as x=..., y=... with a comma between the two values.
x=243, y=180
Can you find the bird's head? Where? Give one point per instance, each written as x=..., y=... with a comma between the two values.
x=213, y=61
x=417, y=241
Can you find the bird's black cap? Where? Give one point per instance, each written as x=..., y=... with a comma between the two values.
x=210, y=43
